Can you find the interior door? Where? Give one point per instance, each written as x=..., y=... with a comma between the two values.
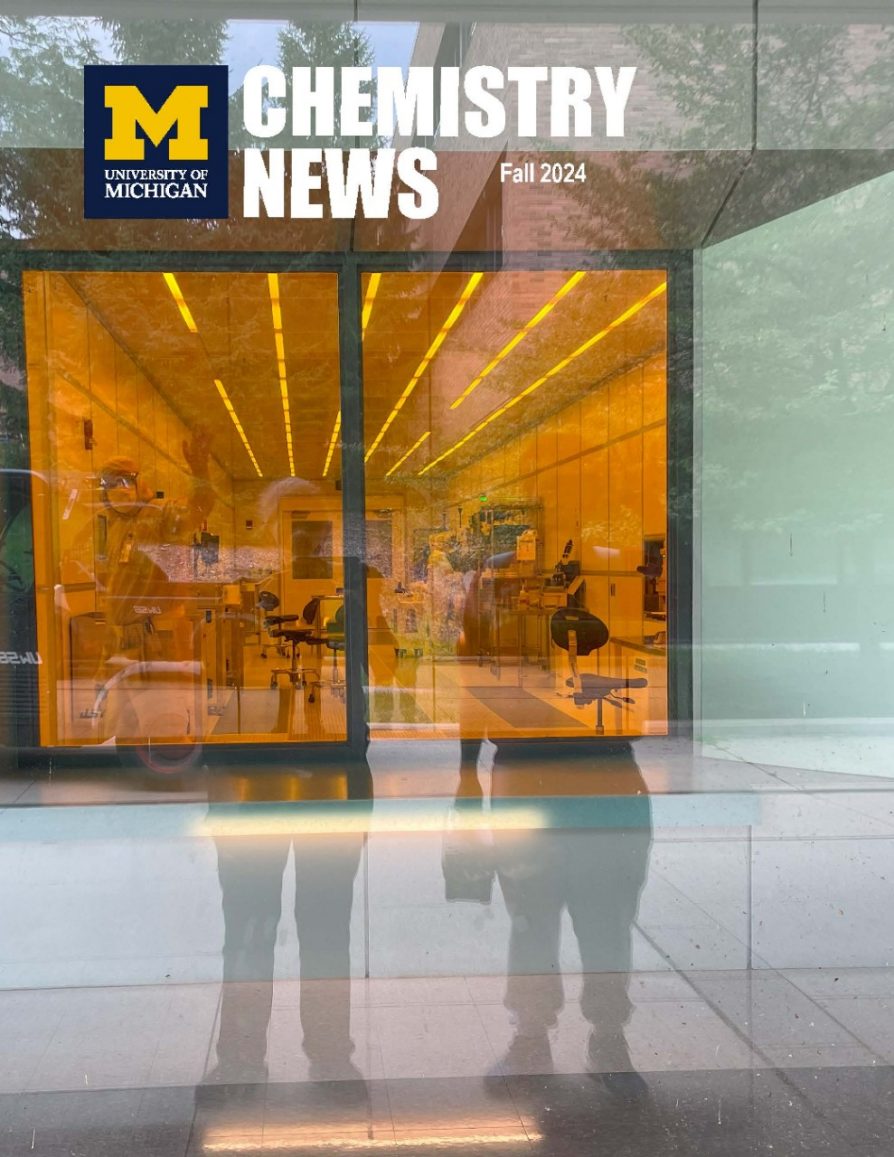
x=312, y=565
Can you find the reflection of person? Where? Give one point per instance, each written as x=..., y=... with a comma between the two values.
x=250, y=868
x=134, y=583
x=596, y=871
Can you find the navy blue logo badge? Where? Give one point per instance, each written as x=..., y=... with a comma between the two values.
x=155, y=141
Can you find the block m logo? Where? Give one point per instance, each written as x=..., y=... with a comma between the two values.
x=181, y=111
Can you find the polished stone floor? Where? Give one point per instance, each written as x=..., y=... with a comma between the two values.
x=844, y=1112
x=663, y=953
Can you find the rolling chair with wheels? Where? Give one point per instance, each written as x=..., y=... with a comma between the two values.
x=332, y=637
x=334, y=640
x=579, y=633
x=267, y=602
x=285, y=628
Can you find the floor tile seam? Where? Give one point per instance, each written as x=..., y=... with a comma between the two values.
x=718, y=1012
x=755, y=1049
x=51, y=1037
x=878, y=783
x=823, y=839
x=819, y=1008
x=74, y=988
x=155, y=1051
x=213, y=1033
x=495, y=1060
x=674, y=887
x=817, y=795
x=863, y=1044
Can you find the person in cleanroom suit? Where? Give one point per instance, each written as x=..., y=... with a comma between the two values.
x=143, y=578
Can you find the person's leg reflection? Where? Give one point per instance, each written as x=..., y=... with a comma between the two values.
x=604, y=875
x=530, y=879
x=325, y=868
x=251, y=873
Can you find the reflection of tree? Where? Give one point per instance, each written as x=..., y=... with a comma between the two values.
x=817, y=83
x=41, y=117
x=821, y=369
x=825, y=86
x=167, y=41
x=826, y=370
x=307, y=45
x=799, y=343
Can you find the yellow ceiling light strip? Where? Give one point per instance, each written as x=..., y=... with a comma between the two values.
x=273, y=286
x=232, y=412
x=372, y=288
x=471, y=286
x=507, y=349
x=557, y=368
x=332, y=443
x=412, y=450
x=177, y=294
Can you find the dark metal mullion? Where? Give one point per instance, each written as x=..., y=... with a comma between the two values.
x=146, y=261
x=680, y=414
x=680, y=430
x=353, y=479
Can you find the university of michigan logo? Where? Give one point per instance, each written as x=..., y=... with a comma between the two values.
x=155, y=141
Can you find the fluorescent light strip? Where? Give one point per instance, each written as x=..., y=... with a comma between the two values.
x=412, y=450
x=232, y=412
x=273, y=287
x=332, y=443
x=557, y=368
x=177, y=294
x=372, y=289
x=507, y=349
x=471, y=286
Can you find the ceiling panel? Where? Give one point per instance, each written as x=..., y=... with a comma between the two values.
x=501, y=307
x=235, y=344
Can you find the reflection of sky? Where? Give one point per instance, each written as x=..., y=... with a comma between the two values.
x=254, y=42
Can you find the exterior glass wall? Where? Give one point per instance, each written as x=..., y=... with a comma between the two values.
x=444, y=664
x=796, y=563
x=187, y=550
x=516, y=468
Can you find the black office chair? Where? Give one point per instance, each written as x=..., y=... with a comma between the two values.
x=332, y=637
x=283, y=627
x=335, y=642
x=579, y=633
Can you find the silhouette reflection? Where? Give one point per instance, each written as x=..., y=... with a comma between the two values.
x=253, y=846
x=590, y=858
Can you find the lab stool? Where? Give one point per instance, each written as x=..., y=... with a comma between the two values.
x=579, y=632
x=297, y=674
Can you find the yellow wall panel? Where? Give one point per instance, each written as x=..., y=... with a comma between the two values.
x=569, y=430
x=568, y=521
x=594, y=511
x=625, y=395
x=626, y=503
x=102, y=364
x=655, y=390
x=594, y=419
x=655, y=481
x=547, y=442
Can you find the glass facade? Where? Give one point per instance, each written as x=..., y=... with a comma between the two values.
x=444, y=662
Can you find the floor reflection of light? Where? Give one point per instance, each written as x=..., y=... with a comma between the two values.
x=300, y=1138
x=246, y=820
